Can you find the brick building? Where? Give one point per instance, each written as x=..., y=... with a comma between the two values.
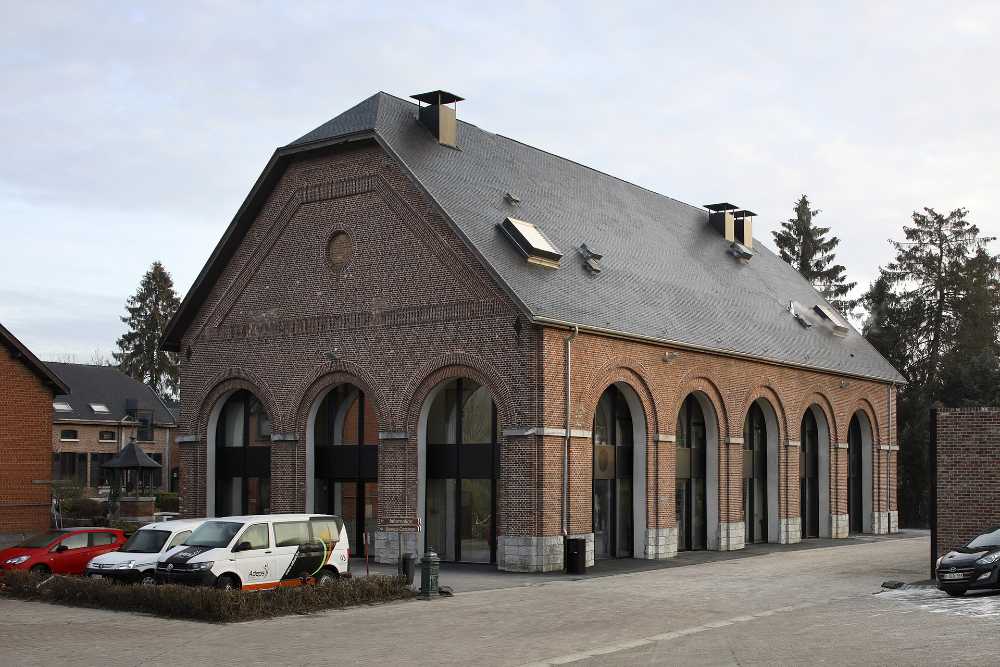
x=967, y=480
x=460, y=341
x=104, y=410
x=26, y=390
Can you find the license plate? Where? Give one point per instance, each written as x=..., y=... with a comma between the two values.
x=97, y=576
x=953, y=575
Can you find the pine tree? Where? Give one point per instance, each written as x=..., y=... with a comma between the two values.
x=809, y=250
x=148, y=312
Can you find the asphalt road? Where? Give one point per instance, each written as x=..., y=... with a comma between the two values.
x=797, y=607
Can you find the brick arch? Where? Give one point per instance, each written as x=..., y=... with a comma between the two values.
x=330, y=375
x=864, y=405
x=766, y=391
x=630, y=373
x=826, y=406
x=231, y=380
x=698, y=383
x=449, y=367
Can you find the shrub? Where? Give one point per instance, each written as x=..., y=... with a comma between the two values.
x=167, y=502
x=85, y=508
x=203, y=603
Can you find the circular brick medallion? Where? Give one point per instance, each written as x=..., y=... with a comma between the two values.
x=339, y=250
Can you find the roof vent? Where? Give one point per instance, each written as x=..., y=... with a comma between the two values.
x=530, y=241
x=799, y=314
x=511, y=198
x=744, y=227
x=722, y=220
x=591, y=258
x=830, y=314
x=439, y=118
x=740, y=251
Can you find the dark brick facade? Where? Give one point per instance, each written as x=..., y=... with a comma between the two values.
x=968, y=474
x=25, y=447
x=411, y=305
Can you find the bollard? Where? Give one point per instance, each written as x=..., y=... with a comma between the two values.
x=430, y=567
x=407, y=567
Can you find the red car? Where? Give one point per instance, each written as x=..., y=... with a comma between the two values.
x=65, y=551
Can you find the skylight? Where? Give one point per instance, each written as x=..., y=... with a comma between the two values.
x=62, y=406
x=532, y=243
x=99, y=408
x=836, y=319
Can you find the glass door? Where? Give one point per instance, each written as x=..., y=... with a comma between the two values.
x=854, y=491
x=809, y=476
x=755, y=475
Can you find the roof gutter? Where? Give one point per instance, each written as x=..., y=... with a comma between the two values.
x=611, y=333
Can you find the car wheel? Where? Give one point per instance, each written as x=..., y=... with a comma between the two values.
x=955, y=591
x=40, y=569
x=227, y=582
x=325, y=577
x=147, y=579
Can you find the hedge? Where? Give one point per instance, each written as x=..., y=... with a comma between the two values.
x=203, y=603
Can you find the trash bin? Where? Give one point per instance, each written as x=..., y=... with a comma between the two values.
x=408, y=567
x=576, y=555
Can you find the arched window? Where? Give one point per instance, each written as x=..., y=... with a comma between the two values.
x=243, y=457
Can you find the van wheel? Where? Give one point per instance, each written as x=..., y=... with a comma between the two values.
x=40, y=569
x=326, y=577
x=227, y=582
x=147, y=579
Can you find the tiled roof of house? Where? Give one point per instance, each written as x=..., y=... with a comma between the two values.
x=109, y=387
x=666, y=274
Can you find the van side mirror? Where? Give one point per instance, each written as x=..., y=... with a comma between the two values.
x=243, y=546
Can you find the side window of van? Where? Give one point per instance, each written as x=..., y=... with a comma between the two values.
x=178, y=539
x=325, y=530
x=257, y=536
x=291, y=533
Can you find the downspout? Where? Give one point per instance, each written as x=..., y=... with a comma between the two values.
x=565, y=471
x=888, y=458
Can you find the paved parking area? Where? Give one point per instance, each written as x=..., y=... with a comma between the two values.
x=800, y=606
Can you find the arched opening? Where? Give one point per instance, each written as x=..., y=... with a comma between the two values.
x=342, y=460
x=619, y=474
x=697, y=484
x=460, y=452
x=814, y=474
x=760, y=473
x=859, y=473
x=240, y=465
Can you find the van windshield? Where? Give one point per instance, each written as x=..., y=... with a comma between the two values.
x=213, y=534
x=146, y=542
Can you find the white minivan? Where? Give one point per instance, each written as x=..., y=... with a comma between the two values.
x=258, y=552
x=135, y=562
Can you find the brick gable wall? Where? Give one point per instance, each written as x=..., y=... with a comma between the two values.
x=25, y=449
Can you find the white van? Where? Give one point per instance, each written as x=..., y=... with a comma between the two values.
x=135, y=562
x=258, y=552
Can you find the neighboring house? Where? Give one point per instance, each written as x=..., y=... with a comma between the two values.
x=26, y=390
x=459, y=341
x=95, y=421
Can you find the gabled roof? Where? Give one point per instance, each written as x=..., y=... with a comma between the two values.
x=108, y=386
x=21, y=353
x=666, y=274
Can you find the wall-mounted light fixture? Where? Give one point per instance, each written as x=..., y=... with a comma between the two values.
x=670, y=356
x=844, y=384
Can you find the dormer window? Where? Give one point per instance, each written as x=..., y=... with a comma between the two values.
x=530, y=241
x=840, y=326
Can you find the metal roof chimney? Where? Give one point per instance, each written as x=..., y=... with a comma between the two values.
x=439, y=118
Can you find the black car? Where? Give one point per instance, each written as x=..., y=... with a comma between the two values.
x=976, y=565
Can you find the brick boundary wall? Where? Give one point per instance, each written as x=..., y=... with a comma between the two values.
x=968, y=474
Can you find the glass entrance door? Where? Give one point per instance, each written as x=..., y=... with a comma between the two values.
x=755, y=475
x=243, y=457
x=809, y=476
x=692, y=524
x=612, y=477
x=854, y=489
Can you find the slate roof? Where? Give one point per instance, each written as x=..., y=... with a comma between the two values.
x=666, y=274
x=109, y=386
x=20, y=352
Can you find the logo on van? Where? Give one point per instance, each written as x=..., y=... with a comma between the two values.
x=258, y=574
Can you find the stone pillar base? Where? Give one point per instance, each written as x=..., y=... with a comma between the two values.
x=893, y=522
x=530, y=554
x=880, y=523
x=732, y=536
x=661, y=543
x=790, y=530
x=387, y=548
x=590, y=546
x=840, y=525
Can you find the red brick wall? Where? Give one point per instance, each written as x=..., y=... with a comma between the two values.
x=25, y=447
x=968, y=474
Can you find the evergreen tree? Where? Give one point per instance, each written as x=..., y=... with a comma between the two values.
x=148, y=312
x=810, y=251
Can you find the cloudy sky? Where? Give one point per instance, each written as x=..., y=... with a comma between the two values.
x=131, y=132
